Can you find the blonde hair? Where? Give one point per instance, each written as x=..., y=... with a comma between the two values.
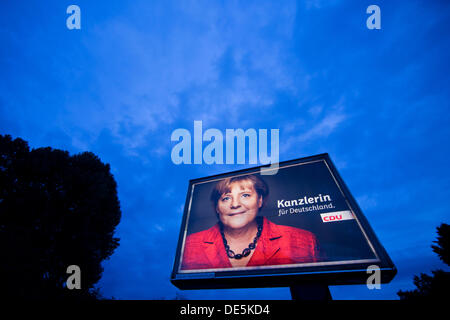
x=223, y=186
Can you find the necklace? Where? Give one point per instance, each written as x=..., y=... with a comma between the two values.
x=251, y=246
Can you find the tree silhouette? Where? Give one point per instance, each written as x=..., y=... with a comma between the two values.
x=56, y=210
x=435, y=287
x=443, y=243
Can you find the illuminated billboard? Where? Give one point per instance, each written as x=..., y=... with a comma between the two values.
x=247, y=229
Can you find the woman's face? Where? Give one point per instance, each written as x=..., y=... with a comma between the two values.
x=240, y=206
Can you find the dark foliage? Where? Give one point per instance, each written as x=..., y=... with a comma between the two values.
x=443, y=243
x=429, y=287
x=56, y=210
x=435, y=287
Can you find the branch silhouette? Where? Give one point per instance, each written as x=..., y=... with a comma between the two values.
x=56, y=210
x=435, y=287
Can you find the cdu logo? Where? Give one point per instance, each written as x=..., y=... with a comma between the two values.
x=337, y=216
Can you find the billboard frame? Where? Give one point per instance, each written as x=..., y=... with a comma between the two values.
x=344, y=274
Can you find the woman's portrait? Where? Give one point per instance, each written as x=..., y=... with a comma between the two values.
x=242, y=237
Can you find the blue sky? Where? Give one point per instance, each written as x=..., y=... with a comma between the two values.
x=376, y=100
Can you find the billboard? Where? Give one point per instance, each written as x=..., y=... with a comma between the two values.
x=301, y=225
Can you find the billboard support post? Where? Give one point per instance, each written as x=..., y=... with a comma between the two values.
x=310, y=292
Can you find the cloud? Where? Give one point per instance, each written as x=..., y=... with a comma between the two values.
x=148, y=77
x=324, y=128
x=312, y=128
